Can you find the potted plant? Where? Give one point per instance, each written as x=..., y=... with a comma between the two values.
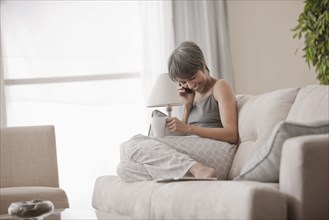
x=313, y=25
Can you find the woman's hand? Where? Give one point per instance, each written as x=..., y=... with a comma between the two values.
x=177, y=126
x=186, y=98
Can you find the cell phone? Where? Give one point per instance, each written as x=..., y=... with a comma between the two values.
x=187, y=90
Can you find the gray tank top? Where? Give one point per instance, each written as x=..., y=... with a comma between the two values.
x=206, y=114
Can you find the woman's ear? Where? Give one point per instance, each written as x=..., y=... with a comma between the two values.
x=206, y=69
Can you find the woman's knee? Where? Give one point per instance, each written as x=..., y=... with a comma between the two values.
x=123, y=172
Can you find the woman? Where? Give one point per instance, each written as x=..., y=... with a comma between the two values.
x=209, y=112
x=209, y=104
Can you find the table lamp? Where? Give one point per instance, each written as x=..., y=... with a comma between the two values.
x=164, y=93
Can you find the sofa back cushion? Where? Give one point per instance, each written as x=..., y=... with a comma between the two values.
x=257, y=116
x=311, y=105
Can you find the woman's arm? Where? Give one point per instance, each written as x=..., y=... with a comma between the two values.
x=186, y=113
x=187, y=100
x=228, y=113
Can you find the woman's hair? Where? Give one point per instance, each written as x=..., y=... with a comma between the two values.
x=186, y=60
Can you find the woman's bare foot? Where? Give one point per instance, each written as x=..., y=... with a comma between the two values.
x=201, y=171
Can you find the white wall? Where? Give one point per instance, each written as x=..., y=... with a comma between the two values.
x=263, y=50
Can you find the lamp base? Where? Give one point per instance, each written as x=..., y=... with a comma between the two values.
x=169, y=109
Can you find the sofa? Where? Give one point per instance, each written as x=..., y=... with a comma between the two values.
x=299, y=191
x=29, y=166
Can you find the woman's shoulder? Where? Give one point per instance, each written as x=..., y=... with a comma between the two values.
x=221, y=84
x=222, y=88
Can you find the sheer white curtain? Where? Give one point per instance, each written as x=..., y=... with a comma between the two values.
x=205, y=22
x=3, y=118
x=158, y=43
x=83, y=66
x=158, y=39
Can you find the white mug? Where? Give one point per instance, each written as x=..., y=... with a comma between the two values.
x=158, y=125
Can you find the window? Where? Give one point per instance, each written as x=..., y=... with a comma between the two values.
x=76, y=65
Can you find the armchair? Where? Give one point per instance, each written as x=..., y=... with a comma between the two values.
x=28, y=163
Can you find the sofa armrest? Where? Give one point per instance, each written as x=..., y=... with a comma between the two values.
x=304, y=176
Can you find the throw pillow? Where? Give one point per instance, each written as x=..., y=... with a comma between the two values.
x=264, y=166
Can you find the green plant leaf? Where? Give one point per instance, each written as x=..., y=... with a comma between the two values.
x=313, y=25
x=313, y=18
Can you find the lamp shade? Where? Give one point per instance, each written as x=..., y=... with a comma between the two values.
x=164, y=92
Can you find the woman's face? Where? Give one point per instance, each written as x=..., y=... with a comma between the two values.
x=197, y=82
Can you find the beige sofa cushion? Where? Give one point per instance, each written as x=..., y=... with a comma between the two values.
x=189, y=199
x=311, y=104
x=258, y=115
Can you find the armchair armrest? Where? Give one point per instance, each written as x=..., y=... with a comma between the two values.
x=304, y=176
